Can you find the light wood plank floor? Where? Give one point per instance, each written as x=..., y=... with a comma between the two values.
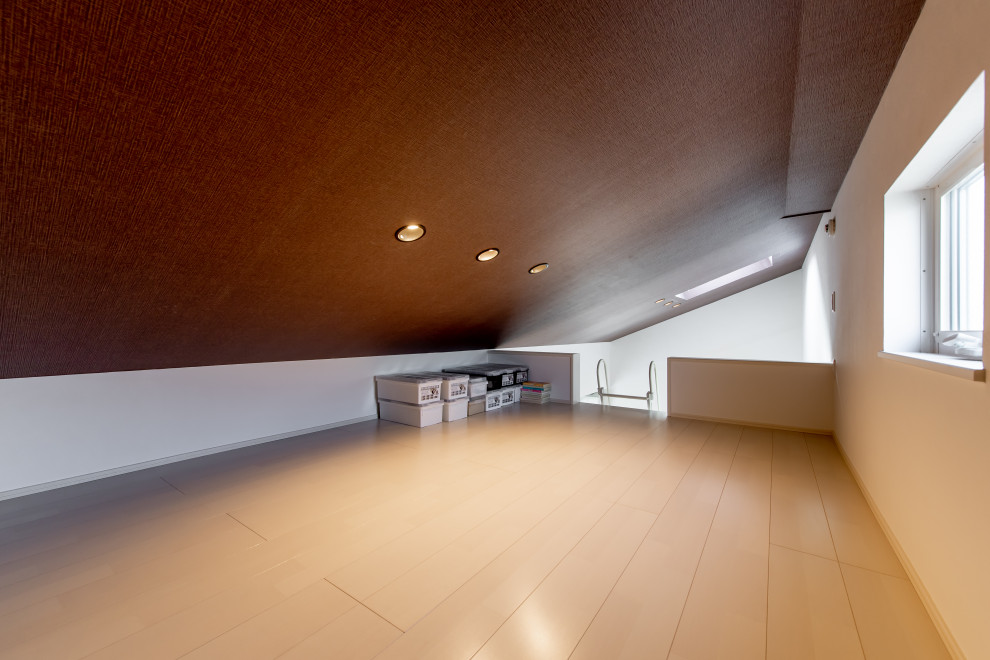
x=532, y=532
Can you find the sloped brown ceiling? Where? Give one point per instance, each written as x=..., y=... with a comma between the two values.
x=211, y=182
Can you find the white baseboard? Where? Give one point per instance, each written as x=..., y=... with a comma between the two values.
x=926, y=599
x=742, y=422
x=93, y=476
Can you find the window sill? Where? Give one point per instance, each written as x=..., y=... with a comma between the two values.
x=967, y=369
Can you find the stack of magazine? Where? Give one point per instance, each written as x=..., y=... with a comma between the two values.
x=534, y=392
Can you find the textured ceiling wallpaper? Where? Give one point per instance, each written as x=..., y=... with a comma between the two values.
x=219, y=182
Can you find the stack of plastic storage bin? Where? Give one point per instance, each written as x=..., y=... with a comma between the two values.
x=409, y=399
x=520, y=372
x=501, y=380
x=477, y=389
x=453, y=391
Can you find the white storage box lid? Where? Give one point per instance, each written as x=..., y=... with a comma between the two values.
x=407, y=388
x=482, y=369
x=441, y=375
x=409, y=378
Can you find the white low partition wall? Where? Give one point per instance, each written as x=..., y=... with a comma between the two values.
x=561, y=370
x=785, y=395
x=61, y=430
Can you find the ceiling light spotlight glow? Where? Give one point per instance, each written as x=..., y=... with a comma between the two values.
x=659, y=301
x=728, y=278
x=487, y=255
x=410, y=233
x=539, y=268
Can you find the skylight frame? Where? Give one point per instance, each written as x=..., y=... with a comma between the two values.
x=728, y=278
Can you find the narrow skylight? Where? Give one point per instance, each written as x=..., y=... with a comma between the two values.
x=745, y=271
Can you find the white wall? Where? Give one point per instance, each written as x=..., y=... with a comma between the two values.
x=785, y=395
x=588, y=354
x=919, y=440
x=62, y=428
x=762, y=323
x=558, y=369
x=819, y=321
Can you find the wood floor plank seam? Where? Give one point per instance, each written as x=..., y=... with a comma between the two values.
x=171, y=484
x=454, y=540
x=647, y=466
x=62, y=594
x=536, y=523
x=553, y=574
x=563, y=503
x=364, y=605
x=192, y=605
x=526, y=538
x=702, y=553
x=645, y=537
x=805, y=552
x=544, y=578
x=521, y=497
x=621, y=573
x=75, y=619
x=828, y=522
x=246, y=622
x=98, y=553
x=246, y=526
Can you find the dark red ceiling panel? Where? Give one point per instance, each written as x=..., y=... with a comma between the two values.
x=219, y=182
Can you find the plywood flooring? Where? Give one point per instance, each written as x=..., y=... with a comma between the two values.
x=533, y=532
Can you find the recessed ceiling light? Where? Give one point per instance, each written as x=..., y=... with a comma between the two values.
x=762, y=264
x=487, y=255
x=410, y=233
x=669, y=302
x=539, y=268
x=661, y=300
x=677, y=305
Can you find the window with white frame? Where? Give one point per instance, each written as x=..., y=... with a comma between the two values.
x=959, y=221
x=934, y=238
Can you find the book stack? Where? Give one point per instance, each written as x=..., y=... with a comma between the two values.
x=534, y=392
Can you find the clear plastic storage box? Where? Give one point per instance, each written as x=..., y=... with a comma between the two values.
x=498, y=376
x=454, y=410
x=410, y=414
x=477, y=386
x=476, y=405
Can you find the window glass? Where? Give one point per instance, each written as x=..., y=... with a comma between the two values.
x=961, y=255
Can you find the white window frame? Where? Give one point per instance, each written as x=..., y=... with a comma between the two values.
x=909, y=243
x=958, y=170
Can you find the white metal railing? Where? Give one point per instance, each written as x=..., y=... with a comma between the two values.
x=651, y=376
